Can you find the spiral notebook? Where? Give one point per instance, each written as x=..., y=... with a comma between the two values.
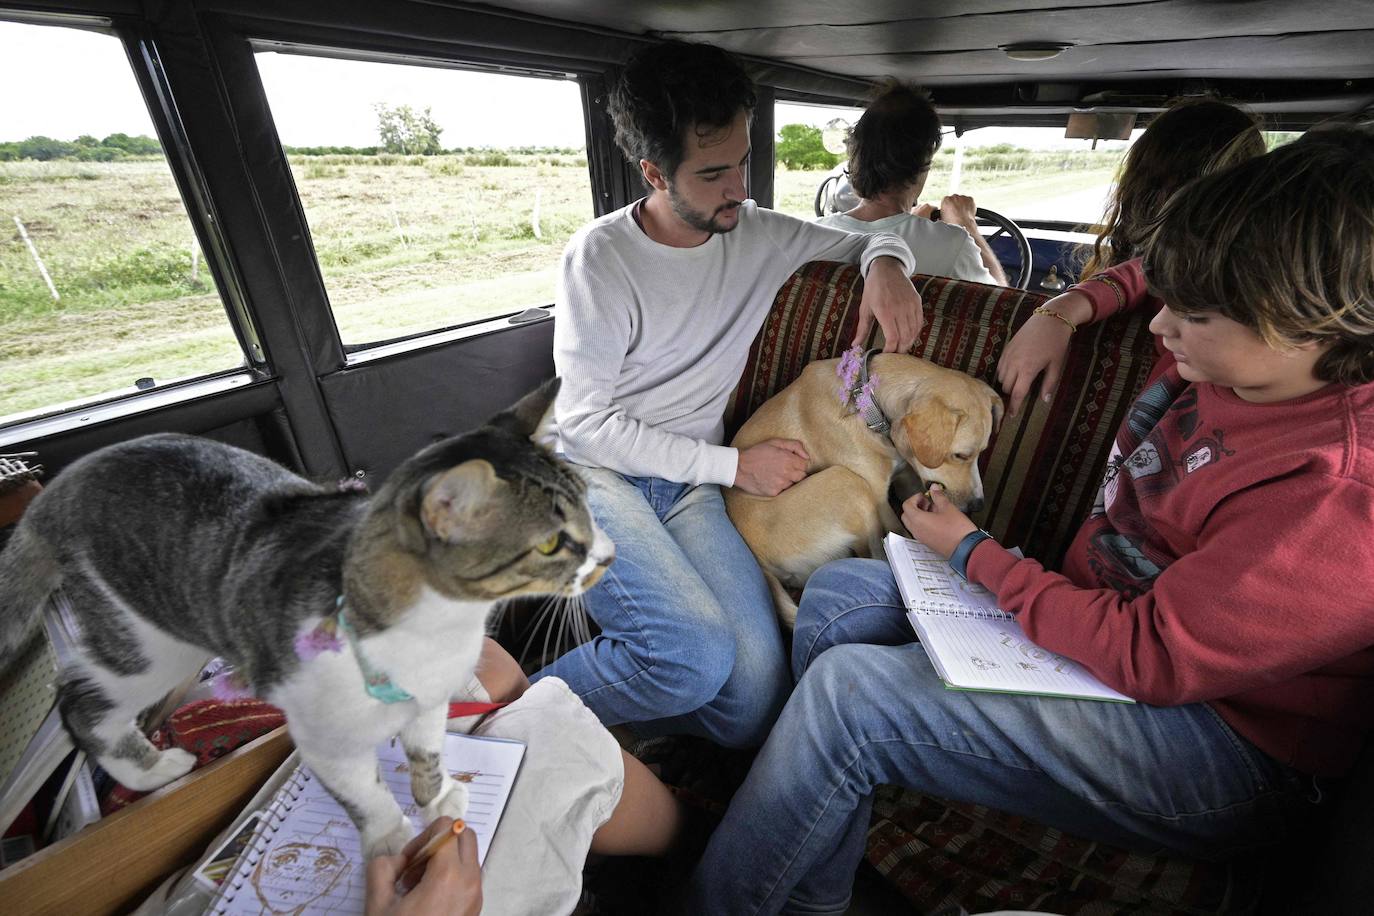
x=305, y=854
x=973, y=644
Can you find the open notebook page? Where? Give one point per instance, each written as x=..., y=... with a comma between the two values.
x=971, y=642
x=307, y=857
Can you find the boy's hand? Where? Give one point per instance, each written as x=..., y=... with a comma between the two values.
x=890, y=298
x=935, y=521
x=771, y=466
x=451, y=884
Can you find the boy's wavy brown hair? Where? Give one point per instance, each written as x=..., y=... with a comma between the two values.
x=1283, y=244
x=1191, y=138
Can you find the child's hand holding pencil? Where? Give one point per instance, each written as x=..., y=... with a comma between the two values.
x=437, y=873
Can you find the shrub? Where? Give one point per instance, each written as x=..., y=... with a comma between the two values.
x=447, y=166
x=321, y=170
x=799, y=147
x=45, y=149
x=490, y=158
x=134, y=146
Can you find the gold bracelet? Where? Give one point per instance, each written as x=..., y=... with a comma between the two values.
x=1041, y=310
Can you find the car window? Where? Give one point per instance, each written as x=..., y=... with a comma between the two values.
x=103, y=287
x=809, y=142
x=432, y=201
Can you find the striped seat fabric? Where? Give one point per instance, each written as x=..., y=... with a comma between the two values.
x=1041, y=470
x=1041, y=473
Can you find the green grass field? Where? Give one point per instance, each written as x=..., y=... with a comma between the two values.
x=405, y=245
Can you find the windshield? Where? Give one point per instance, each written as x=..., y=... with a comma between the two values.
x=1027, y=173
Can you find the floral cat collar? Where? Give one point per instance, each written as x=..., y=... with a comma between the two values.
x=325, y=638
x=857, y=388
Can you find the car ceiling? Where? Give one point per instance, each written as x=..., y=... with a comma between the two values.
x=1293, y=61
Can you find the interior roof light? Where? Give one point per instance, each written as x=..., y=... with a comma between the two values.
x=1035, y=50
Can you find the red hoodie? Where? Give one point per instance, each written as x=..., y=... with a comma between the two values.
x=1229, y=559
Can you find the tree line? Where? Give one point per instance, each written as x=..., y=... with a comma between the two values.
x=84, y=148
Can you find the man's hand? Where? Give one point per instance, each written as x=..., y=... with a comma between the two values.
x=959, y=210
x=935, y=521
x=450, y=886
x=893, y=301
x=771, y=466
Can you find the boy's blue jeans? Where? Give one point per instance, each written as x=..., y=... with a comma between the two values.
x=870, y=710
x=689, y=640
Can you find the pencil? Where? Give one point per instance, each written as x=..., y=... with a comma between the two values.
x=410, y=876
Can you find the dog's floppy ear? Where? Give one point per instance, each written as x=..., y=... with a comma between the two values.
x=929, y=429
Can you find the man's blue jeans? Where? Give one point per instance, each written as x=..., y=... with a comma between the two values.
x=871, y=710
x=689, y=640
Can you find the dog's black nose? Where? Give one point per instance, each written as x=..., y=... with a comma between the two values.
x=974, y=505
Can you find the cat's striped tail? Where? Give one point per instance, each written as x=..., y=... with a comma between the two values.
x=28, y=575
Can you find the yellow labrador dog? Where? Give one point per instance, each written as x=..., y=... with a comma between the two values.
x=859, y=418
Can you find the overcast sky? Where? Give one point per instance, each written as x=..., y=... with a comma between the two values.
x=63, y=82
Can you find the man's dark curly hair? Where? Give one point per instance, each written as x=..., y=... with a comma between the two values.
x=893, y=141
x=665, y=89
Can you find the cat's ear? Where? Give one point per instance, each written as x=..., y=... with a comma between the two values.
x=532, y=415
x=459, y=501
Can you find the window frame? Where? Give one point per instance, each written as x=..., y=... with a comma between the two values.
x=141, y=52
x=357, y=353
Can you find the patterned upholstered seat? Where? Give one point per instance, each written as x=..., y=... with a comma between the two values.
x=1042, y=469
x=1040, y=477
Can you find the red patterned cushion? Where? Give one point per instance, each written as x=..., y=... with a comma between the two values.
x=209, y=729
x=1041, y=471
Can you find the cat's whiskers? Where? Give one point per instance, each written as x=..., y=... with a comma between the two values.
x=545, y=608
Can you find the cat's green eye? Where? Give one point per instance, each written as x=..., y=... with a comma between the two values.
x=551, y=545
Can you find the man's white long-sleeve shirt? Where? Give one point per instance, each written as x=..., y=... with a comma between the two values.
x=650, y=339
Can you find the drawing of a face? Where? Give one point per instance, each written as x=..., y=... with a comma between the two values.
x=294, y=874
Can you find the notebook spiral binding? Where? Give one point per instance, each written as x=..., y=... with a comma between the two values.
x=958, y=610
x=271, y=820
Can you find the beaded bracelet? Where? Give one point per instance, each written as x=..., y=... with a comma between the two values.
x=1041, y=310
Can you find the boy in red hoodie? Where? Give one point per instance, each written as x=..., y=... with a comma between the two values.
x=1225, y=579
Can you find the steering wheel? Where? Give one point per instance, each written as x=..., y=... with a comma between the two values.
x=836, y=196
x=1005, y=226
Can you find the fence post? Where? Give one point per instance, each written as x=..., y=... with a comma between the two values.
x=23, y=234
x=957, y=170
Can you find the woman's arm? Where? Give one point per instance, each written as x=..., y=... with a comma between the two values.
x=1041, y=345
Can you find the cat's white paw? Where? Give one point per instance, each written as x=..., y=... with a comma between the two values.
x=171, y=764
x=388, y=842
x=452, y=801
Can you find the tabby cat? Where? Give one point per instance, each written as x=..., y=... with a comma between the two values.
x=358, y=616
